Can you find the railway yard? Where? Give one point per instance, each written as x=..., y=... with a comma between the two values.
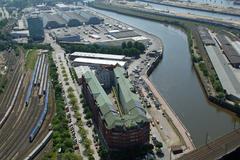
x=25, y=110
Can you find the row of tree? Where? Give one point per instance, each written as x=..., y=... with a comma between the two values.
x=129, y=49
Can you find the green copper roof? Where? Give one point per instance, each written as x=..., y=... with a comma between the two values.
x=133, y=112
x=131, y=104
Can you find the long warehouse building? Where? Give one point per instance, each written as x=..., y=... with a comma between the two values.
x=92, y=62
x=123, y=125
x=96, y=55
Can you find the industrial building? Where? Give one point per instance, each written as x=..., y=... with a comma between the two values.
x=123, y=33
x=96, y=56
x=93, y=62
x=91, y=18
x=35, y=27
x=229, y=51
x=72, y=18
x=62, y=7
x=205, y=36
x=68, y=38
x=20, y=34
x=51, y=21
x=220, y=55
x=124, y=124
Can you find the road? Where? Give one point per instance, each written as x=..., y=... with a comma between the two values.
x=58, y=56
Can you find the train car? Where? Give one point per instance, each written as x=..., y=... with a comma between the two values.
x=41, y=118
x=45, y=80
x=30, y=86
x=40, y=91
x=41, y=71
x=38, y=69
x=34, y=153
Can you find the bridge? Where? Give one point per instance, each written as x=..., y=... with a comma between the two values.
x=215, y=149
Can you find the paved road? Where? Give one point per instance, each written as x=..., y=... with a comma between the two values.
x=59, y=58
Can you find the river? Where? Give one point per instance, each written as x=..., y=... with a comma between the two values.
x=176, y=80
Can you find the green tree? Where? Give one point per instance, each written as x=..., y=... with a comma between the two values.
x=124, y=45
x=129, y=44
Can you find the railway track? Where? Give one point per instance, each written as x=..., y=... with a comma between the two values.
x=14, y=135
x=22, y=129
x=9, y=91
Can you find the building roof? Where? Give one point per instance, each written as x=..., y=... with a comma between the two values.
x=68, y=16
x=87, y=15
x=226, y=76
x=229, y=51
x=52, y=18
x=98, y=55
x=81, y=70
x=134, y=114
x=124, y=34
x=105, y=105
x=61, y=5
x=20, y=32
x=205, y=36
x=99, y=61
x=131, y=106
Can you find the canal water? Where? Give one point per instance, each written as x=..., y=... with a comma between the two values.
x=176, y=80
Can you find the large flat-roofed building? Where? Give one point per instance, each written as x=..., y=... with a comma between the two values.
x=93, y=62
x=96, y=55
x=35, y=27
x=51, y=21
x=20, y=34
x=68, y=38
x=229, y=51
x=123, y=125
x=90, y=18
x=73, y=19
x=62, y=7
x=205, y=36
x=123, y=34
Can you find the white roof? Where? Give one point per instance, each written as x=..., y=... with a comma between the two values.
x=98, y=61
x=113, y=31
x=20, y=32
x=98, y=55
x=139, y=38
x=61, y=5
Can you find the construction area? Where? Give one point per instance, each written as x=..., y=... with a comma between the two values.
x=26, y=105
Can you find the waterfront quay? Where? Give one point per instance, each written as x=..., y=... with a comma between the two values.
x=165, y=125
